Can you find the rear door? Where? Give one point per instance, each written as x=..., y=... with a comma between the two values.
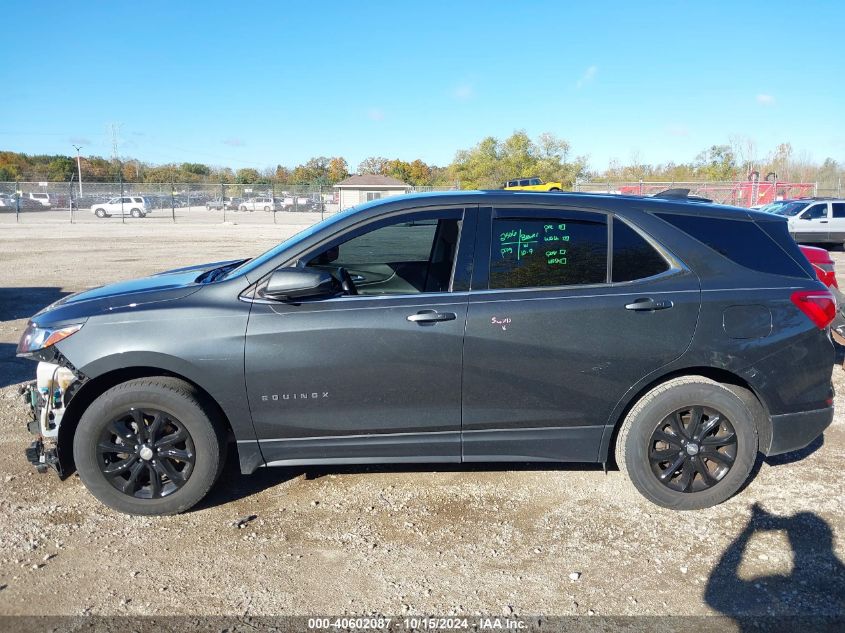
x=836, y=226
x=569, y=308
x=812, y=224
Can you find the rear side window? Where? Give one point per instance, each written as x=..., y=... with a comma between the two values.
x=741, y=241
x=536, y=253
x=838, y=209
x=633, y=257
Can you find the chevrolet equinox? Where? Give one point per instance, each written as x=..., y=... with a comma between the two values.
x=674, y=337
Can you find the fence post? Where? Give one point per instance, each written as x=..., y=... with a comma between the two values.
x=641, y=186
x=172, y=200
x=17, y=201
x=223, y=200
x=122, y=211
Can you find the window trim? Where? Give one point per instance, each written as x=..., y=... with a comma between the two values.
x=464, y=257
x=484, y=244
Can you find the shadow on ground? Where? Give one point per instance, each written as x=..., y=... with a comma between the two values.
x=22, y=303
x=813, y=591
x=233, y=485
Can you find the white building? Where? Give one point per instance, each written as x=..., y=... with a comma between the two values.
x=357, y=189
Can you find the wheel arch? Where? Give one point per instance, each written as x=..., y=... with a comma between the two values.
x=764, y=423
x=95, y=387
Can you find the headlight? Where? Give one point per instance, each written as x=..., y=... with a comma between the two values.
x=35, y=338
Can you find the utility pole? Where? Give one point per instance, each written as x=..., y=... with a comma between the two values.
x=79, y=168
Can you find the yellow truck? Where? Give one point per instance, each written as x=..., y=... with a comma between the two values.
x=532, y=184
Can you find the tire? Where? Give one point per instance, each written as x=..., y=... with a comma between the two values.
x=111, y=420
x=640, y=447
x=241, y=208
x=100, y=213
x=266, y=208
x=135, y=213
x=555, y=189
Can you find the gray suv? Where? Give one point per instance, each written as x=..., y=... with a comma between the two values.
x=676, y=338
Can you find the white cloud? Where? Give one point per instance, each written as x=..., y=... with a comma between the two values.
x=375, y=114
x=234, y=142
x=464, y=92
x=588, y=76
x=766, y=100
x=677, y=129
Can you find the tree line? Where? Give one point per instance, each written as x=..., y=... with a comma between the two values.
x=487, y=164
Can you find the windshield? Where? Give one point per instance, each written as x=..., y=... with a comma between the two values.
x=299, y=237
x=790, y=209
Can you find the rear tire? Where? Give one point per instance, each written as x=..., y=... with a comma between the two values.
x=100, y=213
x=689, y=443
x=166, y=466
x=135, y=213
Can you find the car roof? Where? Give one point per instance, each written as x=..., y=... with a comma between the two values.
x=572, y=198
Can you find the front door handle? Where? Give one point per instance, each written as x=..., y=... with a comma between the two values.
x=431, y=316
x=648, y=304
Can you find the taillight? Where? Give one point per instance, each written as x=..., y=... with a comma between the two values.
x=818, y=305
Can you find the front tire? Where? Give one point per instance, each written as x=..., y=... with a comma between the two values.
x=689, y=443
x=149, y=447
x=100, y=213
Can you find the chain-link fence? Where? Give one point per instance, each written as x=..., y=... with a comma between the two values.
x=173, y=202
x=738, y=193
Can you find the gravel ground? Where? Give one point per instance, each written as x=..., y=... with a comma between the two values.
x=500, y=540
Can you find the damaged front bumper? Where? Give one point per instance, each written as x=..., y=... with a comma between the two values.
x=47, y=399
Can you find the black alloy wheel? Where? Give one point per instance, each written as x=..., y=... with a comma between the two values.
x=146, y=453
x=692, y=449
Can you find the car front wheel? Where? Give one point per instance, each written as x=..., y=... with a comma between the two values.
x=149, y=447
x=689, y=443
x=100, y=213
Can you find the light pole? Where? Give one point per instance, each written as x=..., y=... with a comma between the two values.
x=79, y=168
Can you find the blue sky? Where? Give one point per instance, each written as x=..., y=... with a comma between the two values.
x=251, y=84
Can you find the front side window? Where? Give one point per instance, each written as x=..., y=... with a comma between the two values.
x=408, y=256
x=541, y=252
x=815, y=212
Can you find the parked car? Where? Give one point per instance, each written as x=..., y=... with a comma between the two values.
x=134, y=206
x=822, y=263
x=262, y=203
x=41, y=198
x=218, y=203
x=292, y=202
x=532, y=184
x=8, y=203
x=464, y=326
x=815, y=220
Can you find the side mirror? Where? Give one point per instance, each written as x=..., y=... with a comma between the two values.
x=286, y=284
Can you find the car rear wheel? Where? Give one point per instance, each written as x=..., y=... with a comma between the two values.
x=149, y=446
x=135, y=213
x=689, y=443
x=266, y=208
x=100, y=213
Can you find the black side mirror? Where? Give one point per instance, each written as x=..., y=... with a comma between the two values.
x=286, y=284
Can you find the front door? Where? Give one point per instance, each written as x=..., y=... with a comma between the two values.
x=812, y=224
x=565, y=315
x=372, y=377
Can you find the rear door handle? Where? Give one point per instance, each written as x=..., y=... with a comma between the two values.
x=647, y=304
x=431, y=316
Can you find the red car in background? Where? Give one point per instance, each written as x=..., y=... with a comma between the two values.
x=822, y=262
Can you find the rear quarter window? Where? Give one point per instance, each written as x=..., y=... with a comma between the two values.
x=741, y=241
x=633, y=257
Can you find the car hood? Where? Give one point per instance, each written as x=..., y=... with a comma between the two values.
x=165, y=286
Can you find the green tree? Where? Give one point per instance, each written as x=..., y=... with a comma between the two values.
x=247, y=176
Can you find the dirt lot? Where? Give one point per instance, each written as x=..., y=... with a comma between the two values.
x=493, y=540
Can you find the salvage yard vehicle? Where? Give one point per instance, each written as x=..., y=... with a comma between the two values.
x=532, y=184
x=452, y=327
x=133, y=206
x=41, y=198
x=218, y=203
x=263, y=203
x=815, y=220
